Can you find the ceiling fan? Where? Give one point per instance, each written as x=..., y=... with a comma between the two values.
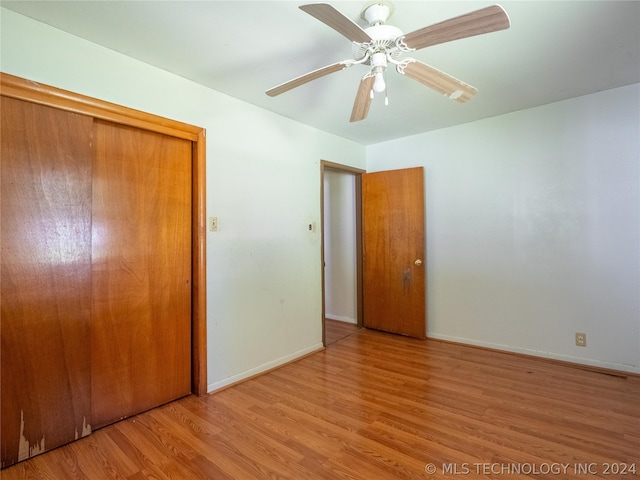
x=380, y=44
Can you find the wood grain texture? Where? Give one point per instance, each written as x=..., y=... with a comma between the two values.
x=336, y=330
x=486, y=20
x=306, y=78
x=46, y=283
x=441, y=82
x=372, y=406
x=199, y=267
x=335, y=19
x=24, y=89
x=141, y=271
x=362, y=101
x=393, y=239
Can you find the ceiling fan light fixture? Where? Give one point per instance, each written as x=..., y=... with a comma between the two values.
x=379, y=84
x=379, y=65
x=379, y=44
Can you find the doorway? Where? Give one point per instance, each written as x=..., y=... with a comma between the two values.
x=341, y=251
x=388, y=223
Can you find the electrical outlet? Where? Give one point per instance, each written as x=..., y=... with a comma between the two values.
x=581, y=339
x=213, y=224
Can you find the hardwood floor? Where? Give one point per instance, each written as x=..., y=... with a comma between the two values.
x=335, y=330
x=376, y=406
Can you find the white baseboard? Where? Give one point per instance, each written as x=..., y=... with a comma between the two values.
x=340, y=318
x=537, y=353
x=211, y=387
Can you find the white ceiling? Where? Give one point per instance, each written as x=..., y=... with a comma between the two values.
x=554, y=50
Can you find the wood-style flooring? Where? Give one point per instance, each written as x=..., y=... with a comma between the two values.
x=335, y=330
x=376, y=406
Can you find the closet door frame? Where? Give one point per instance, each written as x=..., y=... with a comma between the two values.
x=23, y=89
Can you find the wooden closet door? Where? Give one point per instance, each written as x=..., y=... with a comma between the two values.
x=141, y=271
x=46, y=285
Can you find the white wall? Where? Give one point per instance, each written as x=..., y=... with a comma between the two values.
x=340, y=246
x=533, y=228
x=263, y=265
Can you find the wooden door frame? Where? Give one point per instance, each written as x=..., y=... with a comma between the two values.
x=357, y=173
x=22, y=89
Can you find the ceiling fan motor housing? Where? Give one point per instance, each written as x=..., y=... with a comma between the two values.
x=384, y=40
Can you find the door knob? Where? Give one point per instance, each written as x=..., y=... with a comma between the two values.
x=418, y=262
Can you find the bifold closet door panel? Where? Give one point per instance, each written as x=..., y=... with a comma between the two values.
x=141, y=271
x=45, y=211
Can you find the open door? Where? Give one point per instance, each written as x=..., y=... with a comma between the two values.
x=393, y=251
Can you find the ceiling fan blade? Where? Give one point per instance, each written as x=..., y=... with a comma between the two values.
x=440, y=82
x=336, y=20
x=485, y=20
x=307, y=77
x=363, y=100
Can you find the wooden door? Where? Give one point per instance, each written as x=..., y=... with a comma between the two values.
x=141, y=271
x=393, y=251
x=46, y=278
